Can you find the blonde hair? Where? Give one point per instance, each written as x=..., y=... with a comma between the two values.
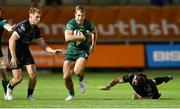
x=80, y=8
x=33, y=10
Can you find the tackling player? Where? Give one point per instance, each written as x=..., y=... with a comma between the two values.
x=20, y=55
x=144, y=88
x=78, y=50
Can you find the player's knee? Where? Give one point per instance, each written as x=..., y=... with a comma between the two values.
x=18, y=80
x=67, y=74
x=77, y=71
x=33, y=76
x=66, y=77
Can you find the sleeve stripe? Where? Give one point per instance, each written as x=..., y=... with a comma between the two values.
x=15, y=33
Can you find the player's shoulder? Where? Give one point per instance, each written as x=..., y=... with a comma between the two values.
x=128, y=77
x=24, y=23
x=22, y=26
x=88, y=24
x=87, y=21
x=131, y=75
x=71, y=24
x=150, y=81
x=72, y=21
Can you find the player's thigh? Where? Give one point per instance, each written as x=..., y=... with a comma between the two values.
x=31, y=69
x=80, y=65
x=68, y=67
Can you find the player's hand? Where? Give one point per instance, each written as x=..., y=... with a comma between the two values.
x=105, y=88
x=81, y=36
x=14, y=62
x=58, y=51
x=13, y=26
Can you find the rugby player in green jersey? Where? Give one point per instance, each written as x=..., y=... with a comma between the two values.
x=81, y=35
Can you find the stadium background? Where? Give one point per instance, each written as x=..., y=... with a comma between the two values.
x=138, y=35
x=131, y=33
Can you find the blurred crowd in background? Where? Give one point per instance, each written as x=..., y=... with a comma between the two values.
x=88, y=2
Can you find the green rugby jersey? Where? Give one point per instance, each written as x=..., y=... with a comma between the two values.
x=2, y=23
x=79, y=46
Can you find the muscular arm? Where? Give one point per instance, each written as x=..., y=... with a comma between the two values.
x=93, y=38
x=69, y=37
x=113, y=83
x=45, y=47
x=12, y=44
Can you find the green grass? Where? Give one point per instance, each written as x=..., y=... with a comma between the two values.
x=50, y=93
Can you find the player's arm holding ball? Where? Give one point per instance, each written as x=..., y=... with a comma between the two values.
x=71, y=37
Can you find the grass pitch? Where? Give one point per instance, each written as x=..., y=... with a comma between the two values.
x=50, y=93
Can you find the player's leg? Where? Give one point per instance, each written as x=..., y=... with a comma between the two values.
x=79, y=71
x=4, y=74
x=17, y=78
x=5, y=79
x=160, y=80
x=67, y=73
x=31, y=69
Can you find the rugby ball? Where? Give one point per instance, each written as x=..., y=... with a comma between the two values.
x=76, y=32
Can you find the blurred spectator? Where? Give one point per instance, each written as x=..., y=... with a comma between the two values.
x=37, y=3
x=170, y=2
x=53, y=2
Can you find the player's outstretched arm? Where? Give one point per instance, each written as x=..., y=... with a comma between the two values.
x=46, y=48
x=113, y=83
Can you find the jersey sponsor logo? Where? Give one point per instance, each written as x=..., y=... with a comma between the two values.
x=22, y=27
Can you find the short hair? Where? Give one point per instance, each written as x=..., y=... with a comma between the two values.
x=33, y=10
x=80, y=8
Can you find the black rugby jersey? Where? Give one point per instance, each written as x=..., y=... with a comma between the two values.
x=27, y=33
x=146, y=90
